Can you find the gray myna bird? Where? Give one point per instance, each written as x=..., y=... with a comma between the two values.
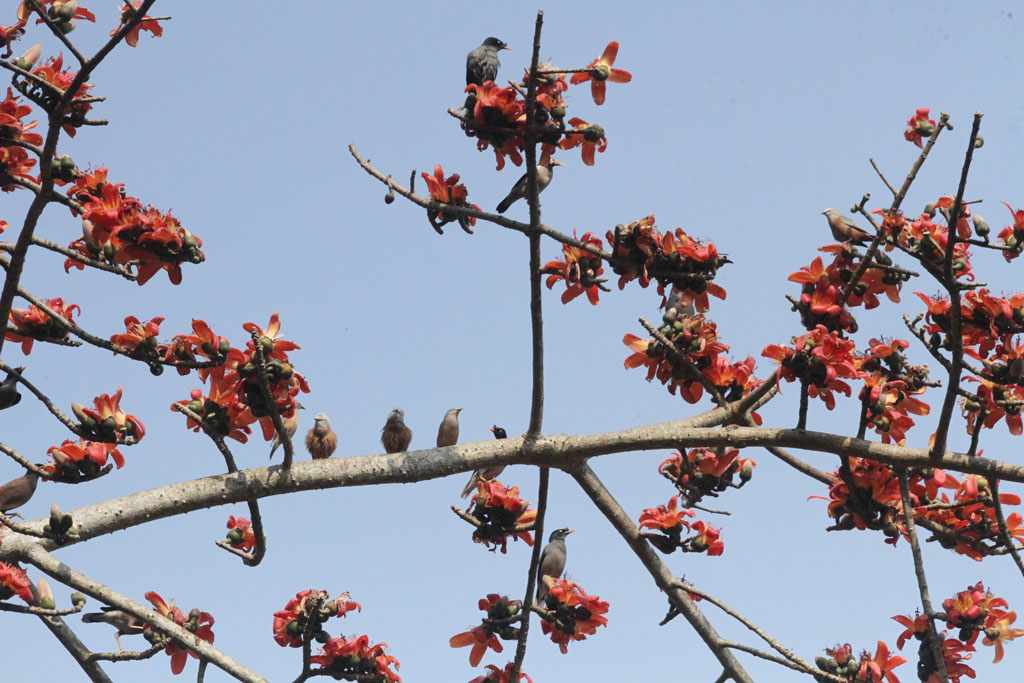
x=518, y=191
x=552, y=561
x=321, y=439
x=845, y=230
x=448, y=432
x=126, y=624
x=17, y=492
x=488, y=472
x=482, y=63
x=9, y=395
x=395, y=436
x=291, y=424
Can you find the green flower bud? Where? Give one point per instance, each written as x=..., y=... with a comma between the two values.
x=77, y=599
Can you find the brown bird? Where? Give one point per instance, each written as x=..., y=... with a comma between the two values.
x=126, y=624
x=17, y=492
x=487, y=472
x=291, y=424
x=845, y=230
x=448, y=432
x=395, y=436
x=321, y=439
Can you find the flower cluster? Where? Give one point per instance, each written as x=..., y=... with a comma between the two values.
x=500, y=511
x=240, y=534
x=571, y=614
x=496, y=675
x=14, y=581
x=84, y=460
x=580, y=270
x=890, y=384
x=355, y=656
x=919, y=126
x=819, y=359
x=235, y=399
x=119, y=230
x=197, y=622
x=644, y=253
x=877, y=668
x=34, y=323
x=497, y=116
x=309, y=609
x=128, y=12
x=703, y=471
x=106, y=421
x=59, y=80
x=1012, y=236
x=12, y=128
x=972, y=612
x=670, y=521
x=970, y=517
x=448, y=191
x=499, y=621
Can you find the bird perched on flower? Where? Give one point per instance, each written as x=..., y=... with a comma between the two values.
x=487, y=472
x=518, y=191
x=552, y=561
x=17, y=492
x=482, y=63
x=448, y=432
x=291, y=424
x=845, y=230
x=395, y=436
x=126, y=624
x=321, y=439
x=9, y=395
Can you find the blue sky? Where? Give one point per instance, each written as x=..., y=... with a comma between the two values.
x=742, y=122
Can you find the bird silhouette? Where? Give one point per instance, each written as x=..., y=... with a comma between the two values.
x=482, y=62
x=845, y=230
x=395, y=436
x=9, y=395
x=321, y=439
x=448, y=432
x=518, y=191
x=291, y=424
x=487, y=472
x=125, y=623
x=552, y=561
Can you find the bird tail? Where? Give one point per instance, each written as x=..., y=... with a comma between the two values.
x=274, y=448
x=93, y=617
x=505, y=203
x=471, y=486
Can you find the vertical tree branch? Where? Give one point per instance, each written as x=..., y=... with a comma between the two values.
x=532, y=197
x=934, y=642
x=956, y=341
x=1001, y=520
x=538, y=535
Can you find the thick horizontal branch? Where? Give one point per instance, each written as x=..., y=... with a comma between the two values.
x=560, y=451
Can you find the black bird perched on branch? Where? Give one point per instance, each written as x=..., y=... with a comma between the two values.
x=482, y=63
x=395, y=436
x=845, y=230
x=9, y=395
x=518, y=191
x=125, y=623
x=487, y=472
x=552, y=561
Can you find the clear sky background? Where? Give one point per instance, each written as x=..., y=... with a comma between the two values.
x=743, y=121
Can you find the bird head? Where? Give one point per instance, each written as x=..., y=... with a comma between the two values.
x=496, y=44
x=831, y=213
x=396, y=415
x=322, y=419
x=299, y=406
x=499, y=432
x=560, y=534
x=553, y=162
x=454, y=411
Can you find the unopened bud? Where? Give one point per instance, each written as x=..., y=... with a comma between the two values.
x=77, y=599
x=925, y=129
x=929, y=209
x=45, y=599
x=31, y=56
x=979, y=142
x=980, y=226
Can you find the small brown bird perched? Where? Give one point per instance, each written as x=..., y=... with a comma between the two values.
x=321, y=439
x=395, y=436
x=291, y=424
x=125, y=623
x=486, y=473
x=17, y=492
x=448, y=432
x=845, y=230
x=545, y=171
